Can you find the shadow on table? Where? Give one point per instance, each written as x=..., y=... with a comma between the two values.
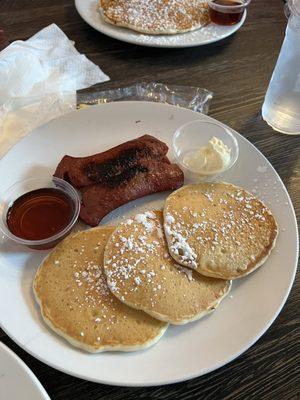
x=140, y=55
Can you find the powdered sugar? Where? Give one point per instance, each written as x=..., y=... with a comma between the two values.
x=202, y=236
x=134, y=270
x=188, y=272
x=91, y=279
x=169, y=219
x=156, y=16
x=144, y=219
x=137, y=280
x=180, y=247
x=179, y=244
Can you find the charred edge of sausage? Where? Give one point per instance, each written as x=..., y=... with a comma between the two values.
x=107, y=171
x=124, y=177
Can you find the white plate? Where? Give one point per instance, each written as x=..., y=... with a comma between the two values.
x=211, y=33
x=16, y=379
x=185, y=351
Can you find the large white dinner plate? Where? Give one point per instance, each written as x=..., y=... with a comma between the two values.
x=16, y=379
x=211, y=33
x=185, y=351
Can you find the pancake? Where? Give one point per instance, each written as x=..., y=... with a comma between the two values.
x=156, y=16
x=75, y=302
x=218, y=229
x=141, y=273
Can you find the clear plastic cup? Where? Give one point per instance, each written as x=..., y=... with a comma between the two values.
x=281, y=107
x=195, y=134
x=18, y=189
x=227, y=14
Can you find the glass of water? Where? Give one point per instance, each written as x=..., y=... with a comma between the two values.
x=281, y=108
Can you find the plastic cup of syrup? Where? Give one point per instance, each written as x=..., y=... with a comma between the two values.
x=39, y=212
x=227, y=12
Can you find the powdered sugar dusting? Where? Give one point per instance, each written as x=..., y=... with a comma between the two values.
x=92, y=277
x=188, y=272
x=139, y=254
x=144, y=219
x=179, y=244
x=90, y=295
x=156, y=16
x=221, y=232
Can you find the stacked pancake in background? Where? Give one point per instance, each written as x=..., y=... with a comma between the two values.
x=118, y=288
x=156, y=17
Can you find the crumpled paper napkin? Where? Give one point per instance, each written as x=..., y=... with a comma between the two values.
x=39, y=78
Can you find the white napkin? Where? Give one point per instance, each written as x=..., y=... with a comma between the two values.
x=38, y=82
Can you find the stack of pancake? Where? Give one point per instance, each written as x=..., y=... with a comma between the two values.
x=156, y=17
x=118, y=288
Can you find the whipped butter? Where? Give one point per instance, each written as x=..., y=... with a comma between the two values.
x=209, y=159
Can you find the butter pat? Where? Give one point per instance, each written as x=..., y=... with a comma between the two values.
x=210, y=159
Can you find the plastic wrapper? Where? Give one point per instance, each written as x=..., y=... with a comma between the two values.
x=19, y=116
x=193, y=98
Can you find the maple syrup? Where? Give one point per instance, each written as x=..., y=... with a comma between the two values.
x=40, y=214
x=226, y=12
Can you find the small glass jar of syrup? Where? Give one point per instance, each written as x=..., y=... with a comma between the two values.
x=39, y=212
x=227, y=12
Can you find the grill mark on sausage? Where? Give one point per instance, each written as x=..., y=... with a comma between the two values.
x=117, y=170
x=126, y=176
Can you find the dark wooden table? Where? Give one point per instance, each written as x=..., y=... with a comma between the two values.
x=237, y=70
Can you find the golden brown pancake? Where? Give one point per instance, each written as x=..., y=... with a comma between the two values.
x=141, y=273
x=75, y=302
x=218, y=229
x=156, y=16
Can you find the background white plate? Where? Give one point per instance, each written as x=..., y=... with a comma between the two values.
x=88, y=10
x=16, y=379
x=185, y=351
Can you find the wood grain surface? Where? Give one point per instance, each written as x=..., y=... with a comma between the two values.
x=237, y=70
